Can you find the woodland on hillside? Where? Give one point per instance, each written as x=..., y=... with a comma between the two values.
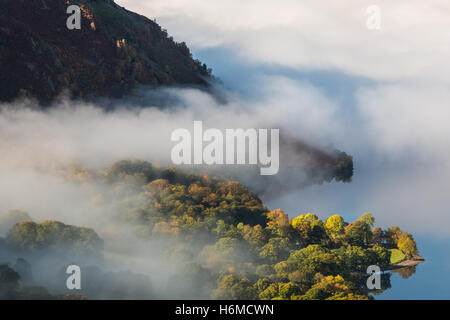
x=224, y=242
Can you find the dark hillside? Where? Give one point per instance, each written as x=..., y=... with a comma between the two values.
x=114, y=51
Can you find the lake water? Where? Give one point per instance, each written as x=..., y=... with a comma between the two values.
x=431, y=279
x=395, y=195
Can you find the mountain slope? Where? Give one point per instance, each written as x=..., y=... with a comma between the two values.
x=114, y=51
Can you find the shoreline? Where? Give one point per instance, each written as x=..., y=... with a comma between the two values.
x=414, y=261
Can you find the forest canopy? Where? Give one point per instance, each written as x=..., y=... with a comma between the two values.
x=225, y=243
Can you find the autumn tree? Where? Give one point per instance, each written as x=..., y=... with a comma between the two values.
x=310, y=228
x=407, y=245
x=335, y=226
x=278, y=223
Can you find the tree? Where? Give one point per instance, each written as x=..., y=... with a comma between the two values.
x=368, y=218
x=131, y=168
x=309, y=227
x=355, y=258
x=255, y=235
x=358, y=233
x=262, y=284
x=283, y=269
x=392, y=235
x=280, y=290
x=278, y=223
x=314, y=259
x=270, y=292
x=276, y=249
x=287, y=290
x=28, y=235
x=330, y=288
x=227, y=246
x=335, y=226
x=309, y=217
x=231, y=287
x=382, y=255
x=407, y=245
x=378, y=236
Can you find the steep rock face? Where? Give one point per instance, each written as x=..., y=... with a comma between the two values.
x=114, y=51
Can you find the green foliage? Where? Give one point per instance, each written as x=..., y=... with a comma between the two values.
x=358, y=233
x=260, y=253
x=396, y=238
x=335, y=226
x=276, y=249
x=382, y=255
x=28, y=235
x=310, y=260
x=278, y=223
x=287, y=290
x=328, y=288
x=310, y=228
x=356, y=258
x=232, y=288
x=397, y=256
x=392, y=235
x=279, y=291
x=177, y=203
x=367, y=218
x=131, y=168
x=226, y=243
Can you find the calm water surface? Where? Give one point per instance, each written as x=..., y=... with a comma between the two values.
x=431, y=279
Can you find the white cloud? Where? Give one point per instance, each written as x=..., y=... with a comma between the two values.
x=35, y=145
x=86, y=133
x=412, y=41
x=408, y=118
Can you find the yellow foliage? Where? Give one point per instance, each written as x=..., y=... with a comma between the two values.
x=309, y=217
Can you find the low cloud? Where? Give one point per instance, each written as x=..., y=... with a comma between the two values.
x=36, y=145
x=316, y=35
